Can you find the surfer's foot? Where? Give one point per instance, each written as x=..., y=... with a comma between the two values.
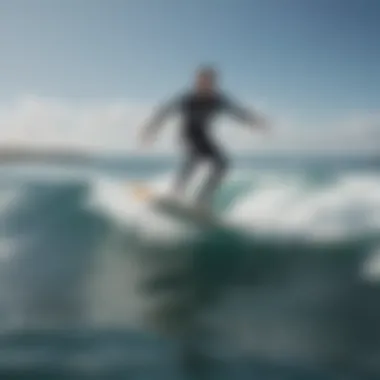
x=176, y=195
x=203, y=208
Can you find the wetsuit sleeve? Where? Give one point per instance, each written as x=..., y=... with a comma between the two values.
x=163, y=112
x=235, y=109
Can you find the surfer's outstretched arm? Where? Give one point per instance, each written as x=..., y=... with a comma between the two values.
x=245, y=116
x=158, y=118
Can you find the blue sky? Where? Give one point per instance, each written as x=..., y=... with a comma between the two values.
x=317, y=60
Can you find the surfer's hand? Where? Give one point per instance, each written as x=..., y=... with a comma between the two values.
x=146, y=139
x=263, y=124
x=266, y=126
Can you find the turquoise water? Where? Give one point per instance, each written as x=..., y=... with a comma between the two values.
x=94, y=284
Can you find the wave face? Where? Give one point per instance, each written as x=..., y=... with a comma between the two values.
x=291, y=283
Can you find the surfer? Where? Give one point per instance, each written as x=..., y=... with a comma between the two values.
x=197, y=108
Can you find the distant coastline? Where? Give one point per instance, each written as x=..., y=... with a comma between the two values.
x=20, y=153
x=9, y=154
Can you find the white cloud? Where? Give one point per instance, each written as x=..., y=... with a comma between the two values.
x=39, y=121
x=112, y=125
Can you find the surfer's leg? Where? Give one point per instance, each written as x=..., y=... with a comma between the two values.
x=219, y=166
x=184, y=173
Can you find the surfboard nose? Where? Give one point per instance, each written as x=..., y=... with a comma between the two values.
x=141, y=192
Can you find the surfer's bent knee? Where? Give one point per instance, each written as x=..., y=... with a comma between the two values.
x=220, y=164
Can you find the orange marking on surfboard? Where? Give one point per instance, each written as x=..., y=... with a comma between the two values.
x=142, y=192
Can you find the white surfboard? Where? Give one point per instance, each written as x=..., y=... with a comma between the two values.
x=177, y=209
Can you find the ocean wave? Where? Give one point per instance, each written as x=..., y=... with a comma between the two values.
x=276, y=282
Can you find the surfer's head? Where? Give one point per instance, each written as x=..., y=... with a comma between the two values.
x=206, y=79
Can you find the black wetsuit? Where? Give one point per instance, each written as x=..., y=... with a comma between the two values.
x=197, y=112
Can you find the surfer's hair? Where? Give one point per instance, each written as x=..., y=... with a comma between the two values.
x=208, y=70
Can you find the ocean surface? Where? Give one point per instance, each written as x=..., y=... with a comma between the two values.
x=96, y=285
